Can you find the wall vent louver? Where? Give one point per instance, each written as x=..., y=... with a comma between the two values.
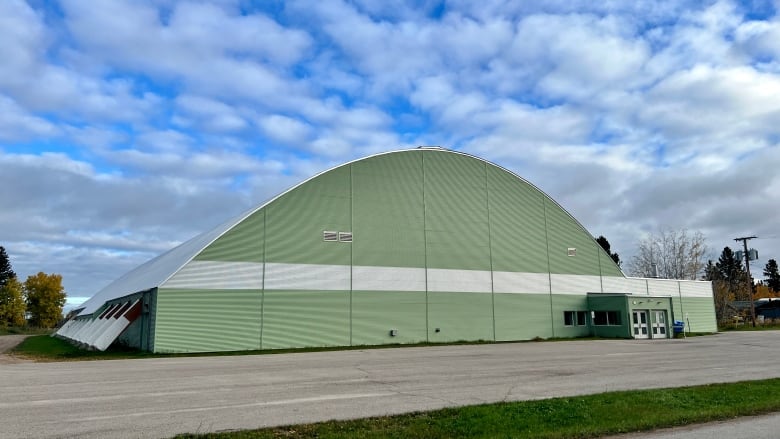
x=345, y=236
x=571, y=251
x=330, y=236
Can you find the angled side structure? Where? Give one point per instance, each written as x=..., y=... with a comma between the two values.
x=409, y=246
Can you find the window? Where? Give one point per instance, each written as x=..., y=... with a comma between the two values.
x=574, y=318
x=606, y=318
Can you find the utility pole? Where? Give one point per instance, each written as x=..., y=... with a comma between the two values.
x=744, y=240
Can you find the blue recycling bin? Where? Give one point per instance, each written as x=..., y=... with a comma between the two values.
x=678, y=326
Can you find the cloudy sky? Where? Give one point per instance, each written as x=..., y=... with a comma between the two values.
x=127, y=127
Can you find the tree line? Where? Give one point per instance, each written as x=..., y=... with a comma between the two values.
x=680, y=254
x=36, y=302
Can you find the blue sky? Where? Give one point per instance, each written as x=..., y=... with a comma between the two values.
x=127, y=127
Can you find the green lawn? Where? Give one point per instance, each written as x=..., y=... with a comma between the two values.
x=46, y=348
x=13, y=330
x=748, y=326
x=574, y=417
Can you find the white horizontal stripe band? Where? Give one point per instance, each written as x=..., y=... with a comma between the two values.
x=208, y=275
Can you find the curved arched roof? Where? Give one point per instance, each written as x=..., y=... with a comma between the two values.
x=157, y=271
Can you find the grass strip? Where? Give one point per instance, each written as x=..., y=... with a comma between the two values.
x=572, y=417
x=748, y=327
x=46, y=348
x=15, y=330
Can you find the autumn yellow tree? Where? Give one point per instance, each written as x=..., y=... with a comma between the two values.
x=12, y=304
x=45, y=298
x=764, y=291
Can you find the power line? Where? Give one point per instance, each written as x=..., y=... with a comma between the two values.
x=744, y=240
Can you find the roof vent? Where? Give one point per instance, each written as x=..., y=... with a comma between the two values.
x=429, y=147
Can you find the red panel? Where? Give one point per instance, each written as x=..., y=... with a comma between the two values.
x=133, y=312
x=121, y=310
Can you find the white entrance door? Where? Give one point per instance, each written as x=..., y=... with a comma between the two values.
x=639, y=323
x=659, y=324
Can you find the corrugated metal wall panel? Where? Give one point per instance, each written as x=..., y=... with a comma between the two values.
x=242, y=243
x=388, y=211
x=574, y=284
x=637, y=285
x=696, y=289
x=465, y=281
x=388, y=279
x=699, y=314
x=562, y=303
x=374, y=314
x=295, y=222
x=204, y=275
x=460, y=316
x=562, y=234
x=662, y=287
x=207, y=320
x=526, y=283
x=516, y=224
x=294, y=319
x=309, y=277
x=613, y=284
x=522, y=316
x=456, y=219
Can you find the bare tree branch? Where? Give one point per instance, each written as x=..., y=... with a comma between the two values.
x=676, y=254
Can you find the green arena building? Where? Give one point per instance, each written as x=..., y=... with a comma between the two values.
x=418, y=245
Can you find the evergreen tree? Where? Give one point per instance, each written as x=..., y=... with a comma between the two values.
x=607, y=248
x=729, y=267
x=6, y=273
x=772, y=275
x=734, y=274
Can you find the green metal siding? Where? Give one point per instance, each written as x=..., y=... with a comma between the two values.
x=243, y=243
x=375, y=313
x=608, y=266
x=561, y=303
x=294, y=319
x=699, y=314
x=460, y=316
x=295, y=221
x=388, y=211
x=516, y=224
x=563, y=233
x=522, y=316
x=207, y=320
x=456, y=221
x=611, y=303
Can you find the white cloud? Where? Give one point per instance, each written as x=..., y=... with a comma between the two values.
x=285, y=129
x=210, y=114
x=126, y=127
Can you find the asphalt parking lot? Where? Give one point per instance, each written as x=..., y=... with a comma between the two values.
x=165, y=396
